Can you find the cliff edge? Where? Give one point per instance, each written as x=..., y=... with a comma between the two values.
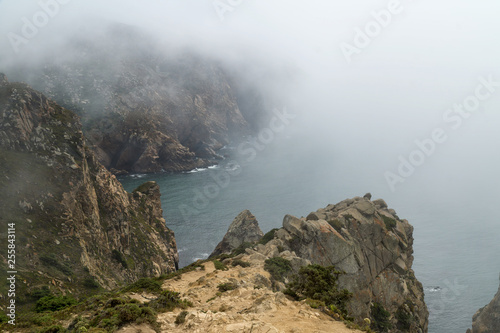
x=76, y=228
x=487, y=319
x=370, y=244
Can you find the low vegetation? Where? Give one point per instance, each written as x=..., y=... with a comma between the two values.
x=319, y=284
x=381, y=318
x=390, y=223
x=278, y=267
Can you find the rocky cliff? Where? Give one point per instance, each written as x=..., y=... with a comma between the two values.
x=370, y=244
x=143, y=109
x=487, y=319
x=76, y=227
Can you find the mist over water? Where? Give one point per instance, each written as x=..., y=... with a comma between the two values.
x=357, y=117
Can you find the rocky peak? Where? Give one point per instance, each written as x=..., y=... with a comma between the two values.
x=244, y=229
x=367, y=241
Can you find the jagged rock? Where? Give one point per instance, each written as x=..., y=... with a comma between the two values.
x=487, y=319
x=55, y=188
x=368, y=196
x=244, y=229
x=372, y=246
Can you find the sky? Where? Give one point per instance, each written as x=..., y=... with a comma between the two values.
x=367, y=79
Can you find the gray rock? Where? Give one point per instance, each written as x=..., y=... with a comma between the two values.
x=380, y=203
x=244, y=229
x=368, y=196
x=365, y=207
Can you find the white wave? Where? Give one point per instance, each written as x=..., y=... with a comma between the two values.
x=139, y=175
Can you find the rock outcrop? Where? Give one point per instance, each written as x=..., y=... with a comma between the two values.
x=143, y=109
x=76, y=227
x=371, y=245
x=244, y=229
x=487, y=319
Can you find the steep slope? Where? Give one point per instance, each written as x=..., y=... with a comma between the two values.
x=76, y=227
x=487, y=319
x=143, y=109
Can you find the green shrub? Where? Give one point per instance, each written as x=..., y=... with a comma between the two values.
x=52, y=260
x=241, y=263
x=118, y=257
x=168, y=301
x=319, y=283
x=268, y=237
x=43, y=320
x=181, y=318
x=278, y=267
x=36, y=294
x=91, y=283
x=119, y=312
x=3, y=318
x=223, y=287
x=404, y=319
x=389, y=222
x=148, y=284
x=381, y=318
x=53, y=329
x=54, y=303
x=220, y=266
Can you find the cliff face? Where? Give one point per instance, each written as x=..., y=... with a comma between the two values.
x=75, y=224
x=370, y=244
x=143, y=110
x=487, y=319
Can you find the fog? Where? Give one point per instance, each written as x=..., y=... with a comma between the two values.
x=399, y=98
x=364, y=108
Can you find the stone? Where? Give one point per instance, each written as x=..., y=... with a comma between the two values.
x=380, y=203
x=368, y=196
x=244, y=229
x=365, y=207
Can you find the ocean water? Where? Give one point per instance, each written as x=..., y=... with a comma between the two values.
x=456, y=236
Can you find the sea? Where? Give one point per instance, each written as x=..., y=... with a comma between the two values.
x=455, y=221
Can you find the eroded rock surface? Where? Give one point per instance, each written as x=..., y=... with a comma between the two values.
x=76, y=226
x=244, y=229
